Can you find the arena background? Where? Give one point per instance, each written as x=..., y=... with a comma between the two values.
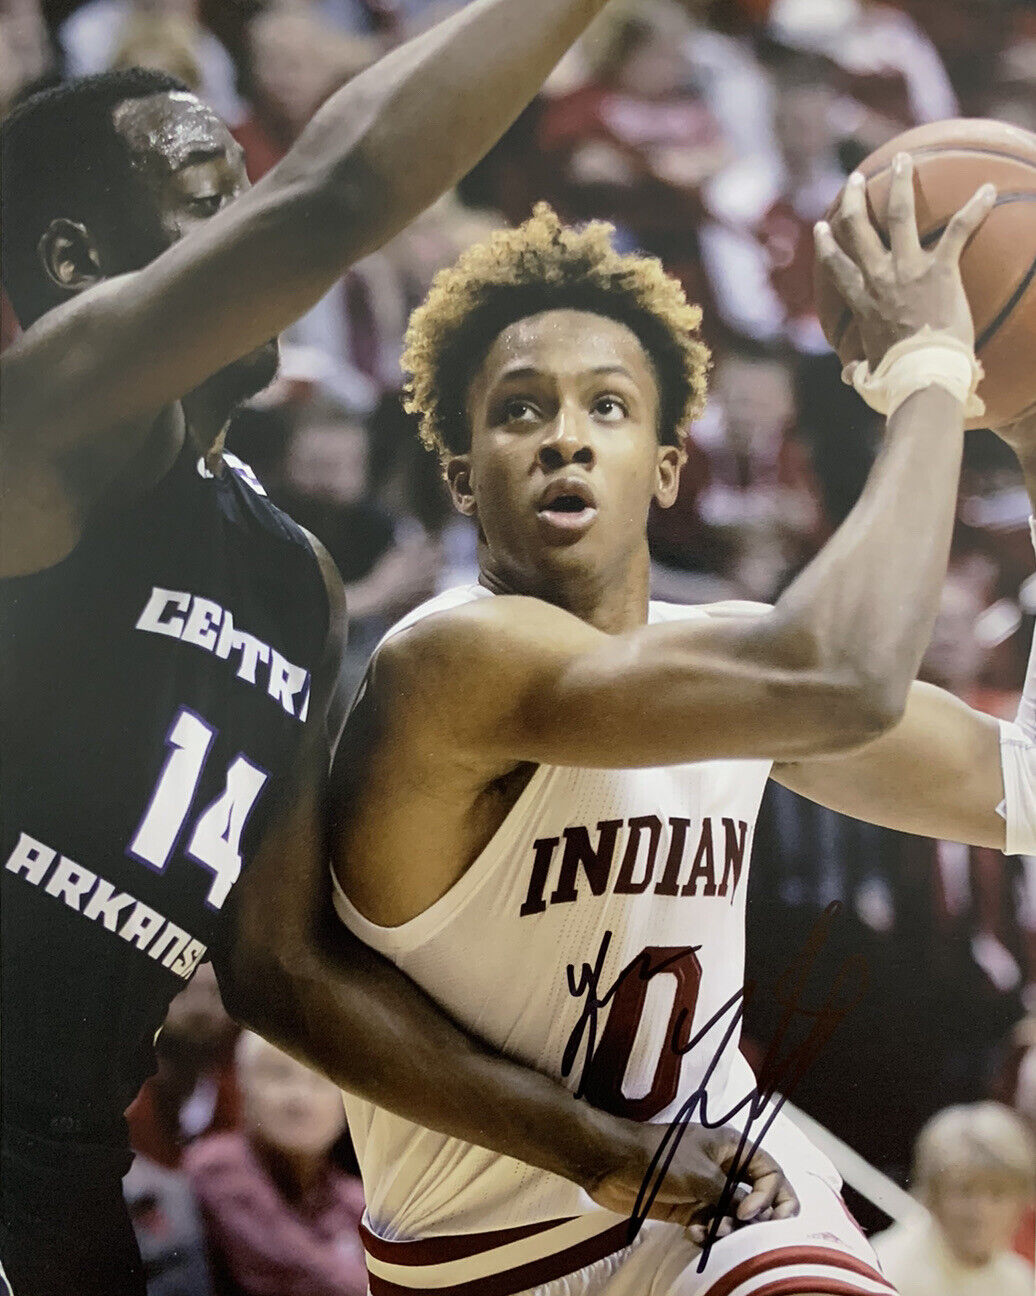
x=713, y=136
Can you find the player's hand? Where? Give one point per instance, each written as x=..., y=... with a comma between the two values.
x=894, y=292
x=696, y=1180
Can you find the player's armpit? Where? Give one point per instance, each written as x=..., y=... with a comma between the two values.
x=937, y=773
x=509, y=680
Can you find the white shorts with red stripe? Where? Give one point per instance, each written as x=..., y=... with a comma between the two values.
x=821, y=1252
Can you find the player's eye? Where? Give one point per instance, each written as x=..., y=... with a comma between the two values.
x=517, y=410
x=609, y=409
x=206, y=204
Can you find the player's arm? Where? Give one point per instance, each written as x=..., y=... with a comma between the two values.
x=936, y=773
x=291, y=971
x=375, y=155
x=941, y=771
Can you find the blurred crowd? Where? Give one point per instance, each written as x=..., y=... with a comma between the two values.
x=713, y=136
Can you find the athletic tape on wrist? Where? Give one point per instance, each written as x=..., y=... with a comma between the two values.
x=929, y=358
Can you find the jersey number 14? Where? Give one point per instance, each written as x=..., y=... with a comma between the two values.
x=215, y=841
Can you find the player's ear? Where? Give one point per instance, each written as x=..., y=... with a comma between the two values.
x=69, y=255
x=667, y=474
x=458, y=478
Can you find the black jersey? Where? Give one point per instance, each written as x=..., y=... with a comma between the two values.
x=154, y=686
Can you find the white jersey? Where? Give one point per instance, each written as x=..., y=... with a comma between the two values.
x=622, y=889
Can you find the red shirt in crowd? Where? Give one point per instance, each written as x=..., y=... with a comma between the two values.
x=271, y=1246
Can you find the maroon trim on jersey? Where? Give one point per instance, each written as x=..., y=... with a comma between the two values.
x=820, y=1286
x=800, y=1255
x=510, y=1281
x=454, y=1246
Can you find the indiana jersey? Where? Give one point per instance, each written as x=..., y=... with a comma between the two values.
x=154, y=689
x=599, y=937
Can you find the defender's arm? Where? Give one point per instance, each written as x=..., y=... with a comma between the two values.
x=374, y=156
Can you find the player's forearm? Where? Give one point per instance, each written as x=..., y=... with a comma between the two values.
x=360, y=1021
x=867, y=602
x=410, y=127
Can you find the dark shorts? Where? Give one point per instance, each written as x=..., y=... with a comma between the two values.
x=64, y=1228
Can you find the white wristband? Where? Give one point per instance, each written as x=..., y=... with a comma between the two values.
x=1026, y=717
x=1018, y=808
x=927, y=359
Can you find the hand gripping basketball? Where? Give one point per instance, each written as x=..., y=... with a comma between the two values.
x=895, y=292
x=696, y=1180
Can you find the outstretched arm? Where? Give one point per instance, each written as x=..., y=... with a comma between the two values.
x=374, y=156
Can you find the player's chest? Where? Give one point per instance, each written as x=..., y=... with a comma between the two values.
x=156, y=724
x=676, y=838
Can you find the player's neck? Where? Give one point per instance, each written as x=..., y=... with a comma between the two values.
x=612, y=601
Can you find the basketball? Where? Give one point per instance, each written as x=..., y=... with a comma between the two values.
x=951, y=160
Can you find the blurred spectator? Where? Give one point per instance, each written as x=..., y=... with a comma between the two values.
x=637, y=141
x=757, y=242
x=25, y=50
x=761, y=497
x=968, y=35
x=91, y=36
x=734, y=84
x=295, y=60
x=279, y=1216
x=168, y=1230
x=167, y=42
x=391, y=18
x=356, y=330
x=974, y=1169
x=388, y=566
x=194, y=1090
x=885, y=66
x=1025, y=1105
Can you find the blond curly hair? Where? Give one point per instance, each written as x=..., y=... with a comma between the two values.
x=545, y=265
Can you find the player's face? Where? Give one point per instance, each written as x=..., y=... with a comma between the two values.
x=978, y=1212
x=564, y=460
x=189, y=167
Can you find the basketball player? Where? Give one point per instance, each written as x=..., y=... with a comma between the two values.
x=171, y=641
x=547, y=789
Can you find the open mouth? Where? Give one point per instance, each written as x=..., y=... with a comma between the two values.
x=567, y=508
x=565, y=504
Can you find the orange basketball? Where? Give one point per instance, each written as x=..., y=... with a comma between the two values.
x=951, y=160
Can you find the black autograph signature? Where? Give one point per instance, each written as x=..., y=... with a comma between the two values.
x=782, y=1068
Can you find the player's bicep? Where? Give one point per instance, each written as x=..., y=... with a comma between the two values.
x=937, y=773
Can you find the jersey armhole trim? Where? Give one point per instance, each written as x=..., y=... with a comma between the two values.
x=410, y=935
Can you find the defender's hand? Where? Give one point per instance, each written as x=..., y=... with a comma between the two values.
x=895, y=292
x=696, y=1180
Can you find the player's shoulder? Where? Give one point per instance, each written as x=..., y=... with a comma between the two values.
x=466, y=644
x=468, y=616
x=704, y=611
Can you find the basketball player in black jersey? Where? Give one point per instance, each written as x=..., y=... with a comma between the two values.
x=169, y=641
